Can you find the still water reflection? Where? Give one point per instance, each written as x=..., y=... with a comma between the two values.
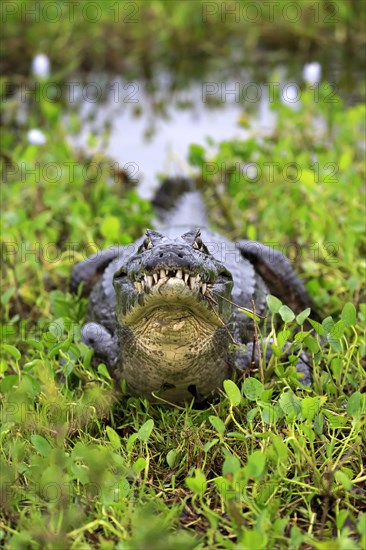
x=147, y=128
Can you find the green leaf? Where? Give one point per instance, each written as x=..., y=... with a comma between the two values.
x=354, y=404
x=36, y=344
x=296, y=537
x=349, y=314
x=13, y=351
x=282, y=338
x=252, y=388
x=335, y=421
x=300, y=336
x=5, y=297
x=249, y=313
x=290, y=404
x=343, y=479
x=280, y=447
x=311, y=343
x=144, y=432
x=319, y=423
x=253, y=539
x=139, y=465
x=113, y=437
x=196, y=155
x=217, y=423
x=319, y=329
x=309, y=407
x=231, y=465
x=287, y=315
x=111, y=228
x=273, y=303
x=280, y=525
x=237, y=435
x=171, y=457
x=328, y=324
x=41, y=444
x=131, y=440
x=252, y=414
x=233, y=392
x=57, y=327
x=361, y=524
x=197, y=484
x=300, y=318
x=81, y=474
x=337, y=366
x=207, y=446
x=337, y=330
x=103, y=371
x=270, y=414
x=256, y=464
x=266, y=395
x=335, y=345
x=341, y=518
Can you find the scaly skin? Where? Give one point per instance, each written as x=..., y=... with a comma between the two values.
x=161, y=315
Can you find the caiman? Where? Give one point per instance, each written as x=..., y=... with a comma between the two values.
x=164, y=311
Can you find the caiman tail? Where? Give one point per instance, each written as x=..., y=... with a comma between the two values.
x=178, y=203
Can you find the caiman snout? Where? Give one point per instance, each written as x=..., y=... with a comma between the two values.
x=171, y=256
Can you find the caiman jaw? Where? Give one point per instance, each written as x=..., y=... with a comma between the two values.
x=153, y=281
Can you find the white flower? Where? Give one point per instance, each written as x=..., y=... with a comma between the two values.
x=290, y=95
x=251, y=171
x=36, y=137
x=312, y=72
x=41, y=66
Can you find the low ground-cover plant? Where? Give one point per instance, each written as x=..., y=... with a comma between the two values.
x=270, y=463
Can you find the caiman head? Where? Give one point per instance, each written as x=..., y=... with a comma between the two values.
x=173, y=304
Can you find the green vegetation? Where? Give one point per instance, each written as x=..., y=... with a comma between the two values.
x=267, y=461
x=135, y=37
x=269, y=464
x=299, y=189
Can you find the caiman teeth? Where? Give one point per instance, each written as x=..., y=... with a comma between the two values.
x=138, y=287
x=148, y=282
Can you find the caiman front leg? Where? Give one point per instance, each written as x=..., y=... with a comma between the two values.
x=90, y=270
x=105, y=346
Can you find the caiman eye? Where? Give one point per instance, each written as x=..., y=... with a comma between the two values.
x=146, y=245
x=198, y=244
